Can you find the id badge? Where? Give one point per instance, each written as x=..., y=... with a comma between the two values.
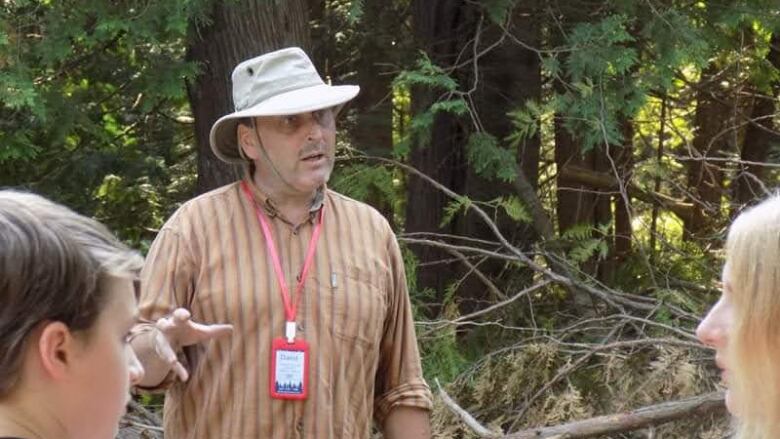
x=289, y=369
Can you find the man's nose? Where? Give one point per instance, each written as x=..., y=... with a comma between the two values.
x=315, y=130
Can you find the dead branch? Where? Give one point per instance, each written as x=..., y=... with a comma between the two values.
x=618, y=423
x=493, y=307
x=464, y=415
x=566, y=279
x=473, y=268
x=644, y=417
x=601, y=180
x=140, y=423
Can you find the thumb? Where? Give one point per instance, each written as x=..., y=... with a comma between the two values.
x=181, y=315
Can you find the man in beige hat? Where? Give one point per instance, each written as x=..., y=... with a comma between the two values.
x=274, y=307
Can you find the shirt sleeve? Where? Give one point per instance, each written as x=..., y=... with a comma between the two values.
x=399, y=380
x=167, y=283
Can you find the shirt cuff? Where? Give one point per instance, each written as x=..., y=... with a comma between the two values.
x=416, y=394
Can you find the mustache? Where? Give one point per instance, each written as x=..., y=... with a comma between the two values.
x=313, y=148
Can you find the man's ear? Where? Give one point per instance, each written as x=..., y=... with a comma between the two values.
x=247, y=141
x=56, y=349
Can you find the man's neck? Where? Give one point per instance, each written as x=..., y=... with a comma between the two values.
x=293, y=205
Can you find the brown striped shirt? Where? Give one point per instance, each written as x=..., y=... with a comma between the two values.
x=211, y=258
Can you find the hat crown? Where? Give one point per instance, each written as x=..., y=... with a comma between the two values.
x=263, y=77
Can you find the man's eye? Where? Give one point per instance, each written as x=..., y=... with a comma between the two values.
x=323, y=116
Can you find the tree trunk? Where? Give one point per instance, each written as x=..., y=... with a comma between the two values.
x=760, y=137
x=376, y=52
x=506, y=77
x=441, y=27
x=503, y=78
x=238, y=30
x=624, y=161
x=705, y=178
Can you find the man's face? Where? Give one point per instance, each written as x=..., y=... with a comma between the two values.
x=300, y=146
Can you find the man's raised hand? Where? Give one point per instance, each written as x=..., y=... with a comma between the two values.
x=177, y=331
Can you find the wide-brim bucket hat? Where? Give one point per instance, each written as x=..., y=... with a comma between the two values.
x=278, y=83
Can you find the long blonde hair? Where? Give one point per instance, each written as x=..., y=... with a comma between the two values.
x=753, y=271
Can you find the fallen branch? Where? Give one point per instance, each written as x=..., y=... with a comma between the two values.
x=464, y=415
x=140, y=423
x=622, y=422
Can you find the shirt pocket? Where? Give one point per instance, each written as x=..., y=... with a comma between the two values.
x=359, y=306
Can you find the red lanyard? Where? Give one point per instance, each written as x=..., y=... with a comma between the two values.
x=290, y=307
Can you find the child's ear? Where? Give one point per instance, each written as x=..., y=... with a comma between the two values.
x=56, y=349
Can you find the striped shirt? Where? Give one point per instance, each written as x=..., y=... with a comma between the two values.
x=211, y=258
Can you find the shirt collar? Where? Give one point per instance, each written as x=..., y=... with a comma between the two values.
x=269, y=206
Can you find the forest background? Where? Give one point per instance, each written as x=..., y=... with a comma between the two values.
x=560, y=173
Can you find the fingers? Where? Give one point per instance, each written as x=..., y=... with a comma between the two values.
x=181, y=315
x=164, y=349
x=180, y=330
x=215, y=331
x=166, y=352
x=181, y=371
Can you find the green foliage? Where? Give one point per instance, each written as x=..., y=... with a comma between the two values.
x=584, y=245
x=89, y=93
x=356, y=10
x=378, y=186
x=452, y=209
x=489, y=159
x=365, y=182
x=498, y=10
x=402, y=103
x=515, y=209
x=442, y=357
x=601, y=49
x=601, y=91
x=426, y=74
x=527, y=120
x=674, y=40
x=137, y=200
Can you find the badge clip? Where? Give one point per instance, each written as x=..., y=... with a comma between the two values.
x=289, y=332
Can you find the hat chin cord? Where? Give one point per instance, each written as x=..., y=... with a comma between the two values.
x=268, y=158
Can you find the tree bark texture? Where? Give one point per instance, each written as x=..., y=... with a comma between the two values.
x=713, y=119
x=377, y=53
x=500, y=80
x=760, y=137
x=237, y=31
x=503, y=80
x=441, y=28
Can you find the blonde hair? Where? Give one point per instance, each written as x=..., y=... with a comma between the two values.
x=53, y=262
x=753, y=272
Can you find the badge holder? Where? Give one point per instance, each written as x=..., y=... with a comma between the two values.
x=289, y=366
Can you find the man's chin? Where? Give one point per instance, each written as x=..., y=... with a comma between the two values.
x=312, y=184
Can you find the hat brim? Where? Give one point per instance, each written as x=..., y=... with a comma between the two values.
x=223, y=133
